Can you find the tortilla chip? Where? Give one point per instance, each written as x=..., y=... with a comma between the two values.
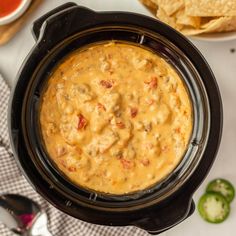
x=222, y=24
x=226, y=23
x=205, y=20
x=170, y=20
x=170, y=6
x=192, y=17
x=210, y=8
x=150, y=5
x=186, y=20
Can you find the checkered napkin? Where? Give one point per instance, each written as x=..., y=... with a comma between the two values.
x=12, y=181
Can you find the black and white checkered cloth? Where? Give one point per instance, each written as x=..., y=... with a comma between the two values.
x=12, y=181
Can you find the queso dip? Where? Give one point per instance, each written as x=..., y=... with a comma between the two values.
x=115, y=118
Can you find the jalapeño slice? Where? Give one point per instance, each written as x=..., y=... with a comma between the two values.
x=213, y=207
x=223, y=187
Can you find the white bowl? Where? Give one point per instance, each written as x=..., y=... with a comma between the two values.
x=216, y=37
x=15, y=14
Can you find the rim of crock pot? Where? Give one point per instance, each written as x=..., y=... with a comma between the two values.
x=192, y=53
x=150, y=190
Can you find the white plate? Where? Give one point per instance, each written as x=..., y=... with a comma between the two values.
x=216, y=37
x=15, y=14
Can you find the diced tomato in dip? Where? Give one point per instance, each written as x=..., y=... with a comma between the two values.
x=82, y=122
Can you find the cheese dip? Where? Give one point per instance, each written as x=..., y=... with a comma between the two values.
x=115, y=118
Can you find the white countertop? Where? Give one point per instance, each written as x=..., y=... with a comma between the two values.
x=223, y=64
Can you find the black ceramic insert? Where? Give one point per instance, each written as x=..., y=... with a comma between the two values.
x=71, y=27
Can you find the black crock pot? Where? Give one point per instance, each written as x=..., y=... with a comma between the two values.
x=159, y=207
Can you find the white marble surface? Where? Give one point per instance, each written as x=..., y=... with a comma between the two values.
x=223, y=64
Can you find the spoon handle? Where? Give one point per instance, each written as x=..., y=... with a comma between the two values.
x=40, y=228
x=44, y=232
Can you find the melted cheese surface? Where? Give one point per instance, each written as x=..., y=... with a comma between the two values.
x=115, y=118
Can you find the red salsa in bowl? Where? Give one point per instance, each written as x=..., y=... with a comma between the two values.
x=9, y=6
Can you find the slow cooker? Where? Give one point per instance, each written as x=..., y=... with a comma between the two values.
x=160, y=207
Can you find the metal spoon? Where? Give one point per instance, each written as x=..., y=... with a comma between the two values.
x=23, y=216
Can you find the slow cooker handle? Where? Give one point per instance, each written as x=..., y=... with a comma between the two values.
x=163, y=219
x=39, y=22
